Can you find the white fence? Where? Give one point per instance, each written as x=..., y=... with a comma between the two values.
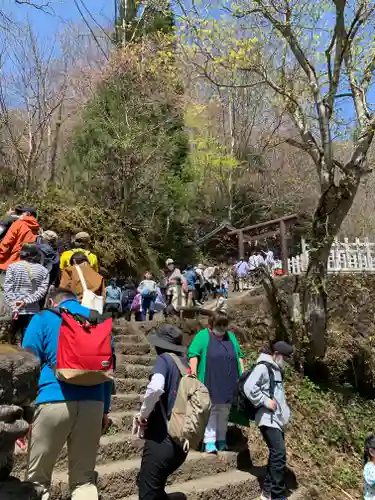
x=344, y=257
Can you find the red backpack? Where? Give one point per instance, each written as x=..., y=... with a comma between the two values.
x=84, y=349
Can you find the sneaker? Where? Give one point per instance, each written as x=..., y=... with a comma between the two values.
x=210, y=448
x=222, y=446
x=265, y=496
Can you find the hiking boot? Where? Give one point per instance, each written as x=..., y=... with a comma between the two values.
x=222, y=446
x=210, y=448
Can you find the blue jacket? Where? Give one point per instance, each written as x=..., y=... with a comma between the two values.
x=41, y=337
x=113, y=295
x=191, y=278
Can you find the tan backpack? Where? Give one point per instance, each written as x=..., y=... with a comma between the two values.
x=191, y=410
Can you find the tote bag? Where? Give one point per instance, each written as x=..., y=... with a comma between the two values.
x=89, y=298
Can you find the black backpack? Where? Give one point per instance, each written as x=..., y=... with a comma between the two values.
x=242, y=406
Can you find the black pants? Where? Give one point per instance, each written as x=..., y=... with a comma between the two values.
x=114, y=309
x=198, y=292
x=128, y=314
x=18, y=328
x=159, y=461
x=274, y=482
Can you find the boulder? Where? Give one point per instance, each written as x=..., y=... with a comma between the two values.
x=19, y=373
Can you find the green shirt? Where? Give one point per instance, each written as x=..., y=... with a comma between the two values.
x=198, y=349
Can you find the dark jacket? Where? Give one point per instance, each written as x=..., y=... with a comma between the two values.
x=50, y=260
x=128, y=294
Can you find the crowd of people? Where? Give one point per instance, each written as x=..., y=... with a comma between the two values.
x=246, y=273
x=32, y=264
x=57, y=298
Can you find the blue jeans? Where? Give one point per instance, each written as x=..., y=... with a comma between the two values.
x=147, y=305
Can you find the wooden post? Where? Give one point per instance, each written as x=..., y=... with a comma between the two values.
x=284, y=247
x=241, y=246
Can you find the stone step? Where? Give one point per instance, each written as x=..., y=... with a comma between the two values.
x=112, y=447
x=117, y=480
x=126, y=402
x=138, y=339
x=136, y=359
x=127, y=369
x=132, y=348
x=130, y=328
x=121, y=421
x=229, y=485
x=128, y=385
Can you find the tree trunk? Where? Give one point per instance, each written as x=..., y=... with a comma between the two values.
x=55, y=145
x=334, y=204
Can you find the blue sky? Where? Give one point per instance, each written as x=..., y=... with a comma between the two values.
x=64, y=12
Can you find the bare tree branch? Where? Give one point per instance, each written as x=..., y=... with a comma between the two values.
x=339, y=40
x=90, y=29
x=30, y=3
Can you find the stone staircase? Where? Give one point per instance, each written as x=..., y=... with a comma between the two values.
x=119, y=456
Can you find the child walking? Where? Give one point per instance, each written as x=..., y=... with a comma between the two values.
x=369, y=469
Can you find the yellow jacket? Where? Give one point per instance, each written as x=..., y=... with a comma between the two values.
x=67, y=255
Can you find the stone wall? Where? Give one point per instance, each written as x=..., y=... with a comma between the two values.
x=350, y=357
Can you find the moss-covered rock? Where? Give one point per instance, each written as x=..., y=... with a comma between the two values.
x=19, y=372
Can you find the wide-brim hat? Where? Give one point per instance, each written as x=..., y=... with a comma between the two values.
x=167, y=337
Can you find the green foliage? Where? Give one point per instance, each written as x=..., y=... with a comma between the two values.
x=327, y=433
x=138, y=20
x=129, y=153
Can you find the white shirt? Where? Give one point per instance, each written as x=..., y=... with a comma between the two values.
x=255, y=261
x=222, y=305
x=270, y=260
x=208, y=273
x=369, y=481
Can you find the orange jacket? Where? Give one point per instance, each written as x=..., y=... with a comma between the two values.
x=20, y=232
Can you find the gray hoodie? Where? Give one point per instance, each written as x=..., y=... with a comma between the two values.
x=257, y=389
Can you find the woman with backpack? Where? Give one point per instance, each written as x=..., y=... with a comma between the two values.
x=161, y=454
x=80, y=277
x=148, y=290
x=216, y=359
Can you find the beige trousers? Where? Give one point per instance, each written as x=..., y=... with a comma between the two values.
x=77, y=423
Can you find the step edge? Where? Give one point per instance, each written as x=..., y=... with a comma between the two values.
x=199, y=485
x=134, y=463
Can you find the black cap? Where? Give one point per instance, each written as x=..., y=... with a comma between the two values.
x=283, y=348
x=167, y=337
x=31, y=210
x=29, y=250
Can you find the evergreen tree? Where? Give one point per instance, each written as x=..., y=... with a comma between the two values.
x=135, y=19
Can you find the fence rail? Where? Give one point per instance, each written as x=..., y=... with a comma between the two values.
x=344, y=257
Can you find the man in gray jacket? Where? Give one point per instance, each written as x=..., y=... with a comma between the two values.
x=265, y=389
